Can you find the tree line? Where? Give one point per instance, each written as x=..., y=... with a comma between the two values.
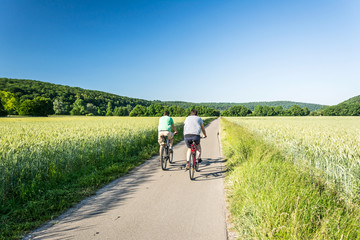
x=40, y=106
x=259, y=110
x=29, y=97
x=64, y=97
x=343, y=109
x=250, y=105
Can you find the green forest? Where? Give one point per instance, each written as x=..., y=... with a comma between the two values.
x=36, y=98
x=251, y=105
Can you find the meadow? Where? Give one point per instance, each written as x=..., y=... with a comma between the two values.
x=48, y=164
x=293, y=177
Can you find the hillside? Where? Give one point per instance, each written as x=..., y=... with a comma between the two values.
x=78, y=101
x=251, y=105
x=66, y=96
x=36, y=98
x=28, y=89
x=352, y=100
x=350, y=107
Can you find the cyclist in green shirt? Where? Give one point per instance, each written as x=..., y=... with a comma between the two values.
x=166, y=123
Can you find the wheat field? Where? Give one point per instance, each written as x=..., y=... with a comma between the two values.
x=34, y=150
x=328, y=144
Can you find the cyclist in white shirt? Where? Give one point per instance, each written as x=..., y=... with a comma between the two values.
x=193, y=126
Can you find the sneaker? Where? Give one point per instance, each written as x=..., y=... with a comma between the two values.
x=199, y=160
x=187, y=166
x=170, y=150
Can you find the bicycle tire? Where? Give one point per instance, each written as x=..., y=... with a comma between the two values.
x=191, y=167
x=197, y=165
x=163, y=159
x=171, y=157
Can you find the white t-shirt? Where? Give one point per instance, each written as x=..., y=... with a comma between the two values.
x=192, y=125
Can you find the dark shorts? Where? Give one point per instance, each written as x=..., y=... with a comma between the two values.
x=190, y=138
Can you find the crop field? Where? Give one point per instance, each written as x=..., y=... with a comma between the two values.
x=329, y=144
x=42, y=158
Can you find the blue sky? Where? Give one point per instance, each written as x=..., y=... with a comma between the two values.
x=200, y=51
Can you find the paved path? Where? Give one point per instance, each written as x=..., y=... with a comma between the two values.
x=153, y=204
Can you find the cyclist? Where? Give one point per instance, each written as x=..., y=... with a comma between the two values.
x=166, y=123
x=193, y=126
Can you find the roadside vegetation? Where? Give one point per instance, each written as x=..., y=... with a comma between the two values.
x=274, y=194
x=49, y=164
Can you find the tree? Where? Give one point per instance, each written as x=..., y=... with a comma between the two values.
x=59, y=107
x=121, y=111
x=9, y=102
x=109, y=109
x=26, y=107
x=78, y=107
x=279, y=110
x=237, y=111
x=91, y=109
x=39, y=106
x=138, y=110
x=258, y=111
x=42, y=106
x=306, y=111
x=2, y=110
x=296, y=111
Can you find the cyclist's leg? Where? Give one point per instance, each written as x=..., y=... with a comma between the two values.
x=188, y=154
x=171, y=139
x=198, y=148
x=160, y=140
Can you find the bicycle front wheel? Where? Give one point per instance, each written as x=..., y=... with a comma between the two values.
x=191, y=167
x=163, y=157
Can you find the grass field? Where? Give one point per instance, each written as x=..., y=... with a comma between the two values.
x=282, y=180
x=49, y=164
x=329, y=144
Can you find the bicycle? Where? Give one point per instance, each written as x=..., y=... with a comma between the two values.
x=165, y=153
x=193, y=161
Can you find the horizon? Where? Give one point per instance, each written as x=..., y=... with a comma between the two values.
x=174, y=100
x=234, y=52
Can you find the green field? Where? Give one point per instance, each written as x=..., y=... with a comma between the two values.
x=329, y=144
x=49, y=164
x=293, y=177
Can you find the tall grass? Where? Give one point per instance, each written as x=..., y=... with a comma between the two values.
x=329, y=144
x=48, y=164
x=270, y=197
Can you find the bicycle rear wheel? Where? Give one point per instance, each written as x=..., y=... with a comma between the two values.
x=171, y=157
x=191, y=167
x=163, y=157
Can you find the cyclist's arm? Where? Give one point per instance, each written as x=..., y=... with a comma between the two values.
x=203, y=130
x=173, y=127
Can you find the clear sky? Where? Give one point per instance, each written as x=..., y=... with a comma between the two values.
x=200, y=51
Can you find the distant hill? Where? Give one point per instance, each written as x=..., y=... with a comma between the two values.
x=352, y=100
x=350, y=107
x=66, y=96
x=36, y=98
x=29, y=89
x=251, y=105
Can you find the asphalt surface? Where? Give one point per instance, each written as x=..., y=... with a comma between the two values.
x=150, y=203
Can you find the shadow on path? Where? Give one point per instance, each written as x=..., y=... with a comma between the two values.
x=105, y=199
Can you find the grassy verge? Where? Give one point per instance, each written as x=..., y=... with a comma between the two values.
x=271, y=198
x=45, y=201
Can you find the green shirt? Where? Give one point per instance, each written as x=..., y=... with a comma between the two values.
x=165, y=123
